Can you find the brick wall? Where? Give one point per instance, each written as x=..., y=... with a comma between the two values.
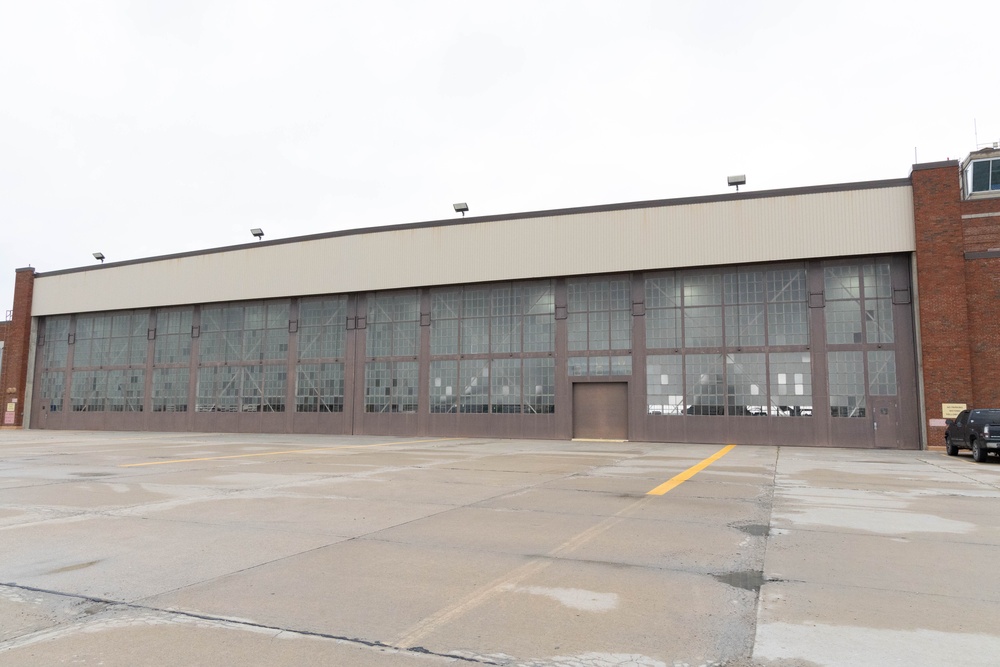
x=941, y=286
x=14, y=375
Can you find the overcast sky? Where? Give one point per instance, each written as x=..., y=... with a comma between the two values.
x=151, y=127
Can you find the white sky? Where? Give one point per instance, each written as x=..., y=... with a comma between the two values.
x=152, y=127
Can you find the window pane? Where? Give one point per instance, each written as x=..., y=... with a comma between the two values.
x=443, y=386
x=847, y=384
x=170, y=390
x=665, y=384
x=981, y=176
x=745, y=325
x=882, y=373
x=703, y=290
x=788, y=323
x=703, y=327
x=746, y=382
x=843, y=322
x=505, y=385
x=791, y=384
x=663, y=327
x=539, y=386
x=841, y=282
x=53, y=388
x=704, y=386
x=474, y=384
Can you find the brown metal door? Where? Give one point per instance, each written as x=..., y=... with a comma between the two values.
x=885, y=422
x=600, y=410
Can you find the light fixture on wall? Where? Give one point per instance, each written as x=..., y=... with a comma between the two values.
x=739, y=180
x=461, y=208
x=258, y=232
x=100, y=256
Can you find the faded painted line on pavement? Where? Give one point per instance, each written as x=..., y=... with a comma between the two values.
x=677, y=480
x=279, y=453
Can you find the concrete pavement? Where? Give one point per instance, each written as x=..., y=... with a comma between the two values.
x=198, y=549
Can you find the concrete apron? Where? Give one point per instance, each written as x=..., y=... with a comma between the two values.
x=186, y=549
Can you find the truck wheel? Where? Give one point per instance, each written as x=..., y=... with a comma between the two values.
x=951, y=450
x=978, y=453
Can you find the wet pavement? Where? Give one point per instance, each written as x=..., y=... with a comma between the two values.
x=199, y=549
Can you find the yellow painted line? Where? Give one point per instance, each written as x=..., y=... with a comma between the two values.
x=279, y=453
x=677, y=480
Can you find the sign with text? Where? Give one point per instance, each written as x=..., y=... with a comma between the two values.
x=951, y=410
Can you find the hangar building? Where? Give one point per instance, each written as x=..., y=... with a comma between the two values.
x=857, y=314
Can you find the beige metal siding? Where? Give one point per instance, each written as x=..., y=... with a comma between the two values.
x=853, y=222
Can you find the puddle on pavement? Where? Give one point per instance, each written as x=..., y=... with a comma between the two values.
x=750, y=580
x=755, y=529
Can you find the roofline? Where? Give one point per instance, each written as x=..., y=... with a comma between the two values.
x=921, y=166
x=603, y=208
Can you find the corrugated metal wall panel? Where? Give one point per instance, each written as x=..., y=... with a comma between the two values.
x=853, y=222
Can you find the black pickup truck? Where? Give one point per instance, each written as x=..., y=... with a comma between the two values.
x=978, y=430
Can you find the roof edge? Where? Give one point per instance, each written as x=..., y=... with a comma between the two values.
x=602, y=208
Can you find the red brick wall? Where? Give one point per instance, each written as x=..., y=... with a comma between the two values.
x=941, y=286
x=15, y=352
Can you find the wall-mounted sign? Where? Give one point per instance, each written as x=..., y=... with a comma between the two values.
x=951, y=410
x=11, y=407
x=8, y=418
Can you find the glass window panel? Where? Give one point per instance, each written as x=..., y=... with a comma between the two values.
x=445, y=304
x=444, y=336
x=539, y=333
x=784, y=285
x=218, y=389
x=663, y=328
x=843, y=322
x=621, y=330
x=506, y=334
x=746, y=383
x=320, y=387
x=663, y=291
x=745, y=325
x=576, y=325
x=170, y=390
x=474, y=385
x=89, y=391
x=599, y=366
x=539, y=299
x=877, y=281
x=703, y=327
x=393, y=327
x=704, y=385
x=444, y=386
x=981, y=175
x=475, y=335
x=878, y=321
x=882, y=373
x=599, y=330
x=995, y=175
x=476, y=302
x=577, y=296
x=56, y=348
x=52, y=390
x=841, y=282
x=744, y=287
x=539, y=386
x=322, y=327
x=621, y=365
x=791, y=384
x=788, y=323
x=703, y=289
x=846, y=372
x=391, y=386
x=665, y=384
x=577, y=366
x=505, y=386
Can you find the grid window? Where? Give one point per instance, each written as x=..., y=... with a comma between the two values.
x=170, y=389
x=539, y=386
x=665, y=384
x=52, y=390
x=319, y=387
x=111, y=339
x=508, y=318
x=746, y=384
x=847, y=384
x=703, y=327
x=393, y=325
x=89, y=391
x=843, y=322
x=126, y=390
x=791, y=384
x=704, y=384
x=173, y=336
x=600, y=314
x=56, y=348
x=882, y=373
x=245, y=332
x=391, y=386
x=474, y=385
x=443, y=386
x=505, y=386
x=787, y=307
x=322, y=327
